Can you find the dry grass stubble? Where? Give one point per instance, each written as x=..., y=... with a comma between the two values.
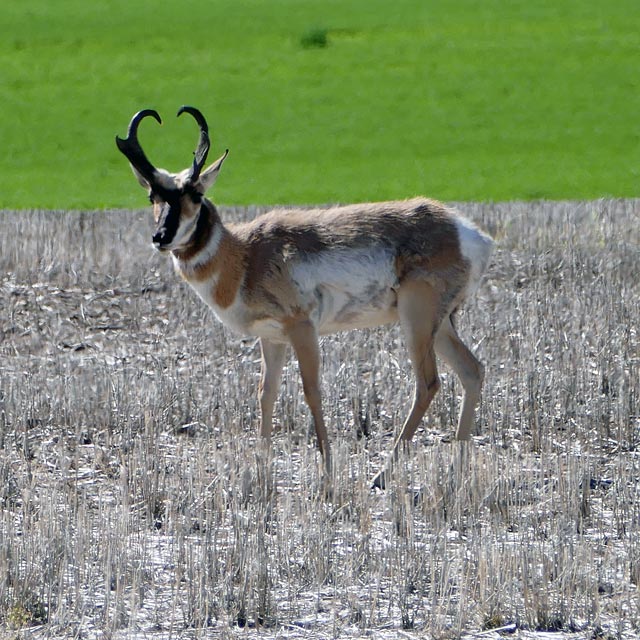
x=136, y=499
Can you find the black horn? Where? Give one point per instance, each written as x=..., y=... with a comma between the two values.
x=131, y=148
x=200, y=154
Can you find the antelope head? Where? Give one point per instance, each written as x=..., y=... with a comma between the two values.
x=177, y=198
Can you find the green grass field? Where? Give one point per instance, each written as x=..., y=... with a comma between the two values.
x=324, y=101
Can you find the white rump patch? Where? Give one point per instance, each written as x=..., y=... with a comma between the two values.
x=476, y=247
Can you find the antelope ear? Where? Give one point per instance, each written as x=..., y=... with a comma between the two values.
x=208, y=176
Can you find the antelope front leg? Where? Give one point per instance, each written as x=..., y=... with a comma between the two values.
x=273, y=357
x=304, y=339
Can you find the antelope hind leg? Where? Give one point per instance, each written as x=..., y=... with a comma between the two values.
x=467, y=367
x=419, y=310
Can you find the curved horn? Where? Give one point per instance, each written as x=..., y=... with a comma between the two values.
x=131, y=148
x=200, y=154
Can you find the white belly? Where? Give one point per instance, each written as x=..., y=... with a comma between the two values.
x=348, y=288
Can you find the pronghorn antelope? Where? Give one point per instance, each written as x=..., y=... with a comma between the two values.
x=290, y=276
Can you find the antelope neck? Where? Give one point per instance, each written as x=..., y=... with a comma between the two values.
x=207, y=220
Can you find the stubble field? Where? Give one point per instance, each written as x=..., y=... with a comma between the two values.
x=135, y=500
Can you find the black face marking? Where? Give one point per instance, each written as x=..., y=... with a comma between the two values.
x=169, y=218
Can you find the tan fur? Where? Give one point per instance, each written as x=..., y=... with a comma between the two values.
x=230, y=264
x=422, y=230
